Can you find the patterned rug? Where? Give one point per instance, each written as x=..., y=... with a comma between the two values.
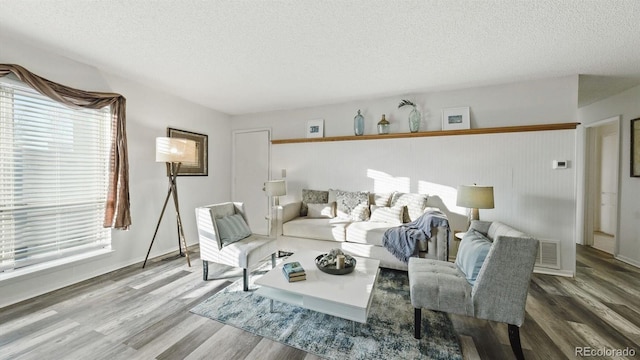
x=388, y=333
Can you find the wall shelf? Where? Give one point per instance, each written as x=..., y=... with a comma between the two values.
x=492, y=130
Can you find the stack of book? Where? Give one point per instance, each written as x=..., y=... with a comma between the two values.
x=293, y=271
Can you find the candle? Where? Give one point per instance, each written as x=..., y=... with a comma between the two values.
x=340, y=262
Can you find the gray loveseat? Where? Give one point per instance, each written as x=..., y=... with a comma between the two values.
x=356, y=222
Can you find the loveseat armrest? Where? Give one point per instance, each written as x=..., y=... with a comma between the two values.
x=480, y=226
x=290, y=211
x=442, y=237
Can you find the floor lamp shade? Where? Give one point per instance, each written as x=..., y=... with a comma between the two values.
x=275, y=188
x=174, y=150
x=475, y=197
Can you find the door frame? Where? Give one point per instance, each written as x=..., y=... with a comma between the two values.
x=588, y=198
x=234, y=133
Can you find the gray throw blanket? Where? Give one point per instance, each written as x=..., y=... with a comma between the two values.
x=402, y=241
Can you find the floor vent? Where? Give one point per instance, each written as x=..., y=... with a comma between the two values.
x=548, y=254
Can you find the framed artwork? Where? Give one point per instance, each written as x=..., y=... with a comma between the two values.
x=315, y=128
x=456, y=118
x=635, y=147
x=201, y=168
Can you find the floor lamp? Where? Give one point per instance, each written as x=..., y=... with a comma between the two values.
x=174, y=152
x=274, y=189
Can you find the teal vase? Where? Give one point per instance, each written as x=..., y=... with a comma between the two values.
x=414, y=120
x=358, y=124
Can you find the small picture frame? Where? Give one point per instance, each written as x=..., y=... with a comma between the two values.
x=635, y=147
x=315, y=128
x=456, y=118
x=202, y=166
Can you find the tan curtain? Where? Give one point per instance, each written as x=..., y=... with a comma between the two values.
x=117, y=213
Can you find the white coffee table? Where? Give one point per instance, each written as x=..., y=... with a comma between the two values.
x=347, y=296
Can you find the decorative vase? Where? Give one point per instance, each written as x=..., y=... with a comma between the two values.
x=414, y=120
x=358, y=124
x=383, y=126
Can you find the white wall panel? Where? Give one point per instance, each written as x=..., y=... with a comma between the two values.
x=529, y=194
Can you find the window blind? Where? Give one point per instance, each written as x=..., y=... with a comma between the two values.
x=54, y=163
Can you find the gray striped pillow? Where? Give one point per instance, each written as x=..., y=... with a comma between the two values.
x=232, y=228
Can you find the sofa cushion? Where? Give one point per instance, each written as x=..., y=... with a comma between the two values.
x=232, y=228
x=415, y=203
x=312, y=197
x=472, y=252
x=321, y=210
x=367, y=232
x=347, y=201
x=391, y=215
x=321, y=229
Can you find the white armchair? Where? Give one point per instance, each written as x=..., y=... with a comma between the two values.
x=225, y=238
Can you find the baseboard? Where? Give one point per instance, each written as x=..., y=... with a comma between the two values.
x=556, y=272
x=627, y=260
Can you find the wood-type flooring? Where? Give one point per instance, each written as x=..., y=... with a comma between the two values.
x=135, y=313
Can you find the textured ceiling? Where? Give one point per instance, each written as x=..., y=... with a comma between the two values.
x=252, y=55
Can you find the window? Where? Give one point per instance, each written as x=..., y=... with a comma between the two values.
x=54, y=166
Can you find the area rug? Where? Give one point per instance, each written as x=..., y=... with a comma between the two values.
x=388, y=333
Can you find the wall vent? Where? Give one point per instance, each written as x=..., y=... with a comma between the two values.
x=548, y=254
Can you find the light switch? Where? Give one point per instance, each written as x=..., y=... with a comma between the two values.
x=284, y=173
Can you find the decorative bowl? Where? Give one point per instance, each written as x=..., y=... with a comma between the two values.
x=331, y=268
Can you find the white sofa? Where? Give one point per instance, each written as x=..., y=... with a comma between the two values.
x=359, y=237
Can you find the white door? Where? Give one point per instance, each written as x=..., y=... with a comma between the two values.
x=251, y=166
x=608, y=185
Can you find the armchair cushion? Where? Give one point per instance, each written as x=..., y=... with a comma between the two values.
x=439, y=286
x=232, y=228
x=472, y=252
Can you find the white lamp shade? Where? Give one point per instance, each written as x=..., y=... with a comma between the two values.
x=475, y=197
x=176, y=150
x=275, y=188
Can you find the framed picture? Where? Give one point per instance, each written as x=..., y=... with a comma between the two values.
x=202, y=166
x=456, y=118
x=315, y=128
x=635, y=147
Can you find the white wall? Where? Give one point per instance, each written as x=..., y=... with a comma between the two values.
x=149, y=113
x=529, y=195
x=627, y=105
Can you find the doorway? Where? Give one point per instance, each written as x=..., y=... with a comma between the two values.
x=251, y=166
x=602, y=174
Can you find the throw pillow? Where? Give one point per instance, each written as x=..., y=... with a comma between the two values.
x=415, y=204
x=380, y=199
x=232, y=228
x=346, y=201
x=386, y=214
x=472, y=252
x=360, y=212
x=312, y=197
x=321, y=210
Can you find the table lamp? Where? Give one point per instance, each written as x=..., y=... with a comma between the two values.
x=475, y=197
